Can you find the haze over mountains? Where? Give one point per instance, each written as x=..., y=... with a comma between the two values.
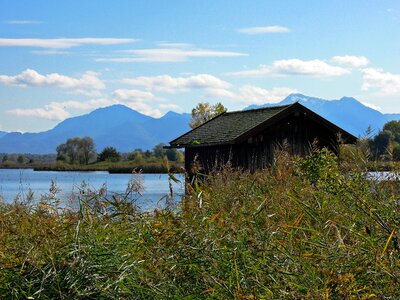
x=127, y=129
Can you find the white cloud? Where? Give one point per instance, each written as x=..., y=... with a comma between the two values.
x=169, y=55
x=144, y=108
x=138, y=100
x=128, y=98
x=49, y=112
x=49, y=52
x=212, y=87
x=84, y=105
x=315, y=68
x=249, y=94
x=174, y=45
x=125, y=94
x=88, y=80
x=263, y=70
x=388, y=84
x=58, y=111
x=170, y=106
x=22, y=22
x=264, y=29
x=173, y=85
x=146, y=99
x=220, y=93
x=351, y=61
x=255, y=95
x=62, y=43
x=88, y=93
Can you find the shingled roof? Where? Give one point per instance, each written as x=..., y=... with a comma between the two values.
x=231, y=127
x=227, y=127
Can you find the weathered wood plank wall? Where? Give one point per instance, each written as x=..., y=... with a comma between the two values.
x=297, y=131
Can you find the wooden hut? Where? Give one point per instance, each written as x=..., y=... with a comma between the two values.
x=248, y=139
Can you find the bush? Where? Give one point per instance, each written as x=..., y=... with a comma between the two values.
x=109, y=154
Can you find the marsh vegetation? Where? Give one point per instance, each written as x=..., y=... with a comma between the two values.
x=306, y=228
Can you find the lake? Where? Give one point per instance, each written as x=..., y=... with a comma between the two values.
x=19, y=182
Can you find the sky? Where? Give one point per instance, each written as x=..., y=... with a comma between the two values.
x=60, y=59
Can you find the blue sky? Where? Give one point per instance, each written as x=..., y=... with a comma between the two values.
x=60, y=59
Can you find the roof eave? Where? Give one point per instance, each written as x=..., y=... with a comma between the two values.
x=177, y=146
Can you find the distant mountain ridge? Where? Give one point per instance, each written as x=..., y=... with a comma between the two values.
x=347, y=112
x=117, y=126
x=127, y=129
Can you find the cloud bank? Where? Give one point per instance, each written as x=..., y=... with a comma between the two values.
x=387, y=84
x=351, y=61
x=173, y=85
x=31, y=78
x=285, y=67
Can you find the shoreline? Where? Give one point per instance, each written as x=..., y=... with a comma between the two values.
x=111, y=168
x=125, y=167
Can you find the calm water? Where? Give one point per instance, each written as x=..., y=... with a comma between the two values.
x=385, y=175
x=18, y=182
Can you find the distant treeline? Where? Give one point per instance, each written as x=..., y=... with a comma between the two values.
x=79, y=154
x=27, y=157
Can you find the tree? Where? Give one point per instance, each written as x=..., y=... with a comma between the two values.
x=21, y=159
x=396, y=153
x=136, y=155
x=172, y=154
x=381, y=143
x=109, y=154
x=204, y=112
x=159, y=150
x=147, y=154
x=86, y=150
x=394, y=128
x=5, y=158
x=76, y=150
x=386, y=144
x=62, y=152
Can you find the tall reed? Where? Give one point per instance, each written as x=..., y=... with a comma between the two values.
x=305, y=228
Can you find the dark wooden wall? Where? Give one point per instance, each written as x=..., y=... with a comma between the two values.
x=296, y=131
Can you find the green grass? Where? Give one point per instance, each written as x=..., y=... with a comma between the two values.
x=303, y=229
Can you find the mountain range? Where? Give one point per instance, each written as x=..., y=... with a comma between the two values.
x=117, y=126
x=127, y=129
x=347, y=113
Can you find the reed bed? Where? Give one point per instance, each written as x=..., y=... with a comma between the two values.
x=306, y=228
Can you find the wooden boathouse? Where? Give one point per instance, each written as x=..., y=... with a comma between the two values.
x=248, y=139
